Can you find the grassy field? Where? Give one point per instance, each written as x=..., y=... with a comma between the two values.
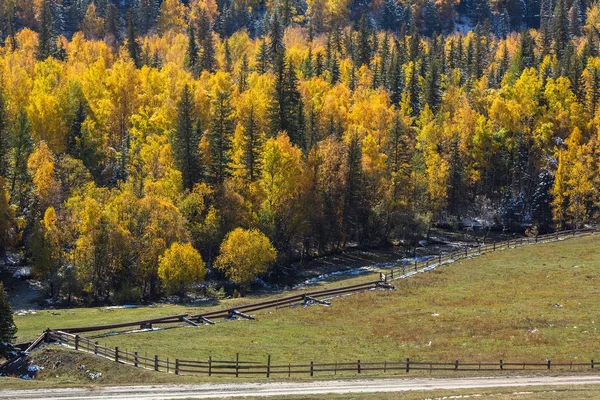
x=525, y=304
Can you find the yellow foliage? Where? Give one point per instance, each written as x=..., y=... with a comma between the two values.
x=245, y=254
x=180, y=266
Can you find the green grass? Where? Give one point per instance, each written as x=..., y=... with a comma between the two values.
x=497, y=306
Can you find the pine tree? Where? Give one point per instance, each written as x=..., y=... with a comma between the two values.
x=252, y=146
x=4, y=140
x=228, y=61
x=276, y=46
x=112, y=23
x=575, y=19
x=319, y=64
x=221, y=132
x=560, y=26
x=262, y=58
x=47, y=34
x=147, y=12
x=191, y=56
x=285, y=108
x=22, y=145
x=390, y=15
x=353, y=197
x=244, y=72
x=207, y=42
x=133, y=47
x=8, y=329
x=431, y=91
x=431, y=18
x=363, y=56
x=546, y=24
x=186, y=140
x=74, y=137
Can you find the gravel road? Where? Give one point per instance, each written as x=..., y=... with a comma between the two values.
x=211, y=391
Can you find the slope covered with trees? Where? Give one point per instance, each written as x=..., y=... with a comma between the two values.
x=141, y=140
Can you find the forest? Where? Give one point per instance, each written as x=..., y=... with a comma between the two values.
x=146, y=145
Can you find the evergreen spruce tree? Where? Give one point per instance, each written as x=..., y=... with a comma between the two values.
x=47, y=35
x=431, y=91
x=191, y=57
x=133, y=47
x=307, y=67
x=186, y=140
x=560, y=28
x=412, y=90
x=74, y=137
x=285, y=108
x=220, y=135
x=207, y=42
x=22, y=146
x=396, y=83
x=8, y=329
x=262, y=58
x=431, y=18
x=363, y=56
x=319, y=64
x=575, y=19
x=4, y=140
x=228, y=61
x=390, y=15
x=112, y=23
x=353, y=191
x=546, y=24
x=253, y=146
x=276, y=46
x=244, y=72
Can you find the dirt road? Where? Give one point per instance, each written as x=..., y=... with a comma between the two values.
x=211, y=391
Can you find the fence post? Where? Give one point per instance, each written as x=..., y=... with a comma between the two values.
x=592, y=364
x=167, y=365
x=384, y=367
x=358, y=366
x=177, y=366
x=156, y=362
x=549, y=364
x=456, y=365
x=76, y=342
x=392, y=273
x=312, y=369
x=494, y=246
x=96, y=348
x=440, y=258
x=209, y=365
x=116, y=354
x=135, y=359
x=237, y=365
x=466, y=251
x=269, y=366
x=415, y=263
x=407, y=365
x=501, y=365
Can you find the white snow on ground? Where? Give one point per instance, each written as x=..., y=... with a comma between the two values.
x=123, y=306
x=357, y=271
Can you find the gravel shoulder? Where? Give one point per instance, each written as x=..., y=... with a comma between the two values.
x=211, y=391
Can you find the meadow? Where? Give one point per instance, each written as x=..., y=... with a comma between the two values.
x=532, y=303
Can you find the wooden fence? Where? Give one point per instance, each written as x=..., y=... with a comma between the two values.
x=384, y=282
x=408, y=270
x=268, y=368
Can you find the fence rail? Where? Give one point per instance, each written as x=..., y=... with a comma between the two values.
x=408, y=270
x=268, y=369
